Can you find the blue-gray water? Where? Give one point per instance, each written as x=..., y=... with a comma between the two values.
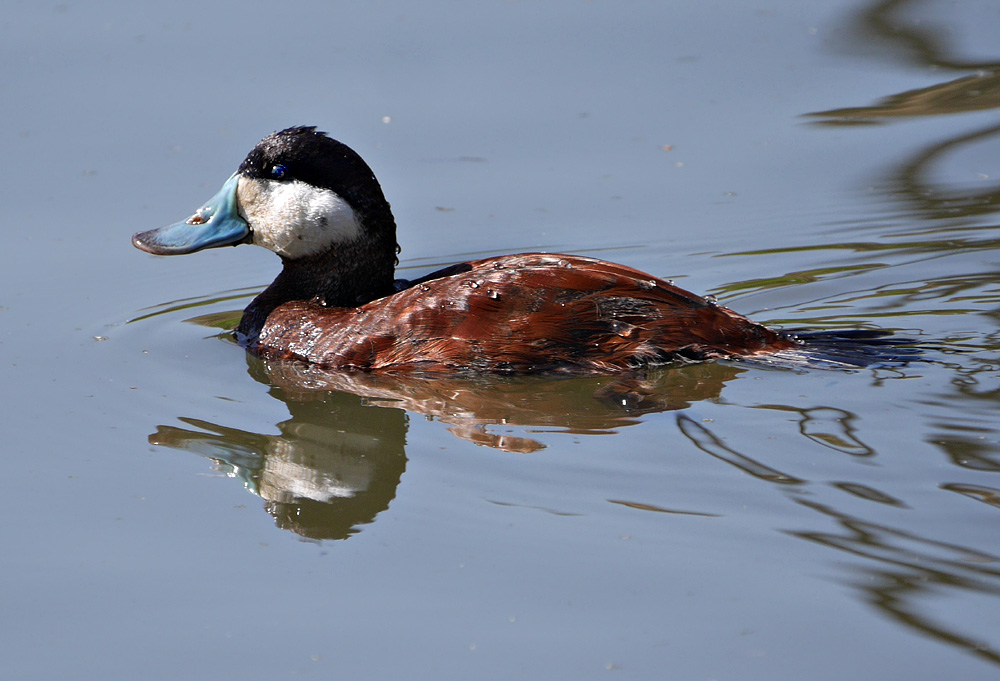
x=175, y=510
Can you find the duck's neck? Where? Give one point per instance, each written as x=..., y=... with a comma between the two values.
x=347, y=276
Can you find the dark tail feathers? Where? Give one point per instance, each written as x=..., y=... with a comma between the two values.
x=848, y=348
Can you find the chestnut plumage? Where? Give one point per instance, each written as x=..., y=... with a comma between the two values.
x=519, y=313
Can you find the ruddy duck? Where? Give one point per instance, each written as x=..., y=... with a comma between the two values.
x=317, y=204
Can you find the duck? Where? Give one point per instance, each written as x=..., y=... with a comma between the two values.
x=336, y=303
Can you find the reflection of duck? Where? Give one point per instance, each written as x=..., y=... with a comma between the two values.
x=315, y=203
x=475, y=408
x=335, y=464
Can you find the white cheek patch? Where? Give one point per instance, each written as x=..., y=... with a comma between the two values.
x=295, y=219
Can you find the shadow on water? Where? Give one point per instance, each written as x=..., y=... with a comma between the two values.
x=883, y=29
x=890, y=28
x=936, y=228
x=900, y=569
x=900, y=573
x=953, y=215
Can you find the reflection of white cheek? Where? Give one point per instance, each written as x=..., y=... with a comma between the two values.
x=295, y=219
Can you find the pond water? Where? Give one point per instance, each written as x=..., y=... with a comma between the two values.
x=176, y=509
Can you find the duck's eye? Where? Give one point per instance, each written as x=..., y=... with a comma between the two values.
x=277, y=172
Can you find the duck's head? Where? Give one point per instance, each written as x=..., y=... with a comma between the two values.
x=298, y=193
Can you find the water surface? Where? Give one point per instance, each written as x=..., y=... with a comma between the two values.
x=179, y=510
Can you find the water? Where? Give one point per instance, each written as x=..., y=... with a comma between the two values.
x=177, y=510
